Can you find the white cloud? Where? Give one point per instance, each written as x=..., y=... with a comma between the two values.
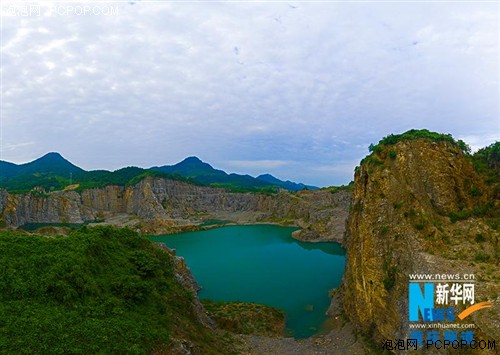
x=478, y=142
x=13, y=147
x=309, y=84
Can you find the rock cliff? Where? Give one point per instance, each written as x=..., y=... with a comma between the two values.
x=418, y=207
x=157, y=205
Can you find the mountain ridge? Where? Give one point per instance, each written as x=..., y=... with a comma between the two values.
x=289, y=185
x=53, y=172
x=51, y=162
x=193, y=167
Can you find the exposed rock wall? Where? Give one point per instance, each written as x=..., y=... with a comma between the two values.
x=167, y=203
x=59, y=207
x=399, y=224
x=186, y=279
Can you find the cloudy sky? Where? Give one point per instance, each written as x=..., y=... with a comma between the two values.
x=297, y=89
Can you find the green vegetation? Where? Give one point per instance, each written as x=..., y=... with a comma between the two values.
x=247, y=318
x=480, y=238
x=384, y=230
x=30, y=227
x=156, y=174
x=419, y=225
x=488, y=158
x=487, y=162
x=24, y=183
x=372, y=160
x=377, y=157
x=484, y=210
x=83, y=180
x=100, y=290
x=391, y=273
x=53, y=173
x=413, y=134
x=334, y=189
x=397, y=205
x=201, y=173
x=481, y=256
x=377, y=149
x=475, y=192
x=392, y=154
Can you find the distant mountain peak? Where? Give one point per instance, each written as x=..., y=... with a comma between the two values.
x=289, y=185
x=191, y=167
x=193, y=161
x=53, y=170
x=51, y=162
x=52, y=155
x=193, y=158
x=269, y=178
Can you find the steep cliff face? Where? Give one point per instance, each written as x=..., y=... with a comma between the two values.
x=159, y=205
x=405, y=204
x=59, y=207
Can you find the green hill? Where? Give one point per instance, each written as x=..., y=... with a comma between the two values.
x=53, y=172
x=50, y=163
x=99, y=290
x=288, y=185
x=204, y=174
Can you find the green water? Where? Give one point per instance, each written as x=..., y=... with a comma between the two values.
x=264, y=264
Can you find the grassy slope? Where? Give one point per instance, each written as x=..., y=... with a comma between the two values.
x=85, y=180
x=97, y=291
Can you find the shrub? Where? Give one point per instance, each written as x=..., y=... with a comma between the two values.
x=397, y=205
x=99, y=290
x=384, y=230
x=371, y=160
x=420, y=226
x=390, y=279
x=480, y=238
x=413, y=134
x=481, y=256
x=475, y=192
x=458, y=215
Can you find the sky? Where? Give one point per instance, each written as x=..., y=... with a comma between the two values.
x=298, y=89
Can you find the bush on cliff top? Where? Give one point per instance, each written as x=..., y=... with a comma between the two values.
x=99, y=290
x=413, y=134
x=377, y=149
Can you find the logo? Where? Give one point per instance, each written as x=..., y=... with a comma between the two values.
x=433, y=301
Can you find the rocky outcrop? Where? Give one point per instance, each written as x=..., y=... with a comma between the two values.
x=327, y=216
x=184, y=276
x=402, y=222
x=157, y=205
x=58, y=207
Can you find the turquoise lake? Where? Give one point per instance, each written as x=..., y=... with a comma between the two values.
x=264, y=264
